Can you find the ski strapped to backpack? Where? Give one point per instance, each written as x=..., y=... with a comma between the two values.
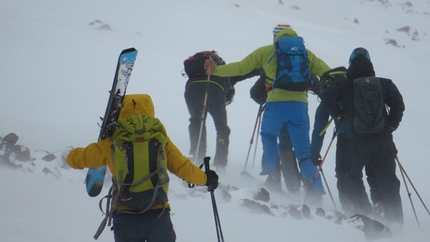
x=368, y=105
x=96, y=175
x=140, y=164
x=292, y=71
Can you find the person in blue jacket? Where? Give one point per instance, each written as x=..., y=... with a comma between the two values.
x=322, y=120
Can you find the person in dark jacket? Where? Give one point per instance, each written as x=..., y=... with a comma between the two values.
x=376, y=151
x=220, y=91
x=200, y=95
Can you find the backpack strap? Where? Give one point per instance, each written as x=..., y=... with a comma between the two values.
x=110, y=209
x=220, y=81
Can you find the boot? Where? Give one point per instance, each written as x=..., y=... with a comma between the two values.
x=274, y=181
x=291, y=172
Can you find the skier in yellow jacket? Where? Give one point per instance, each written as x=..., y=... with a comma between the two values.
x=154, y=224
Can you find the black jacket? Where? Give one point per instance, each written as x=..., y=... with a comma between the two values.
x=341, y=92
x=258, y=91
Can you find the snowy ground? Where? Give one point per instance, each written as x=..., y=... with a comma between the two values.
x=57, y=63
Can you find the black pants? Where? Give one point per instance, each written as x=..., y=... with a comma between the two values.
x=288, y=162
x=340, y=169
x=151, y=226
x=215, y=106
x=377, y=154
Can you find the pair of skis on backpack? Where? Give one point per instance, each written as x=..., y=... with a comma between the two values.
x=96, y=176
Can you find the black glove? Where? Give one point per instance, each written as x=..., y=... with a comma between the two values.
x=212, y=180
x=316, y=160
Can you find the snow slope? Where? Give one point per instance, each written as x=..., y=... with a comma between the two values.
x=57, y=63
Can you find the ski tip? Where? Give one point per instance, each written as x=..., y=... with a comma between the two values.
x=132, y=49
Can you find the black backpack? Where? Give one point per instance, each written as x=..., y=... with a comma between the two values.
x=194, y=65
x=194, y=68
x=332, y=75
x=368, y=105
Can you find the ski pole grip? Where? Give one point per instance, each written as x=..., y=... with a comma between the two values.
x=206, y=162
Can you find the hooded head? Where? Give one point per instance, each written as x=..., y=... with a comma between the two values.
x=360, y=64
x=283, y=30
x=137, y=104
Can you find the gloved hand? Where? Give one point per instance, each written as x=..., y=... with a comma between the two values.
x=210, y=66
x=340, y=118
x=316, y=160
x=212, y=180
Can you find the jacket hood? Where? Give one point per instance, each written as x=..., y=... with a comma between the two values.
x=137, y=104
x=285, y=32
x=360, y=66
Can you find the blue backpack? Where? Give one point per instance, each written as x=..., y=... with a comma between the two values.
x=292, y=72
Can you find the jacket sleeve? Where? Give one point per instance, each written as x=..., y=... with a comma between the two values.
x=395, y=102
x=251, y=62
x=94, y=155
x=321, y=120
x=182, y=167
x=317, y=66
x=330, y=98
x=235, y=79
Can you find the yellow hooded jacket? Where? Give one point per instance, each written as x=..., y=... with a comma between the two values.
x=99, y=153
x=260, y=57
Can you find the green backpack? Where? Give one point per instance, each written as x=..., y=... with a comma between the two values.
x=140, y=162
x=368, y=105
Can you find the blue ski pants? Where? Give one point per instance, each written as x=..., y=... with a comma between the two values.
x=294, y=115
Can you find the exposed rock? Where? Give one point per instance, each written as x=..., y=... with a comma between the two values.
x=293, y=211
x=405, y=29
x=99, y=25
x=306, y=211
x=49, y=157
x=263, y=195
x=393, y=42
x=256, y=207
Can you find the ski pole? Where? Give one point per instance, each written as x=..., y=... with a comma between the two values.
x=203, y=117
x=252, y=137
x=326, y=127
x=256, y=143
x=408, y=192
x=326, y=153
x=406, y=174
x=214, y=207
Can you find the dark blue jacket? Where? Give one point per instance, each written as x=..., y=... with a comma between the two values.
x=320, y=122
